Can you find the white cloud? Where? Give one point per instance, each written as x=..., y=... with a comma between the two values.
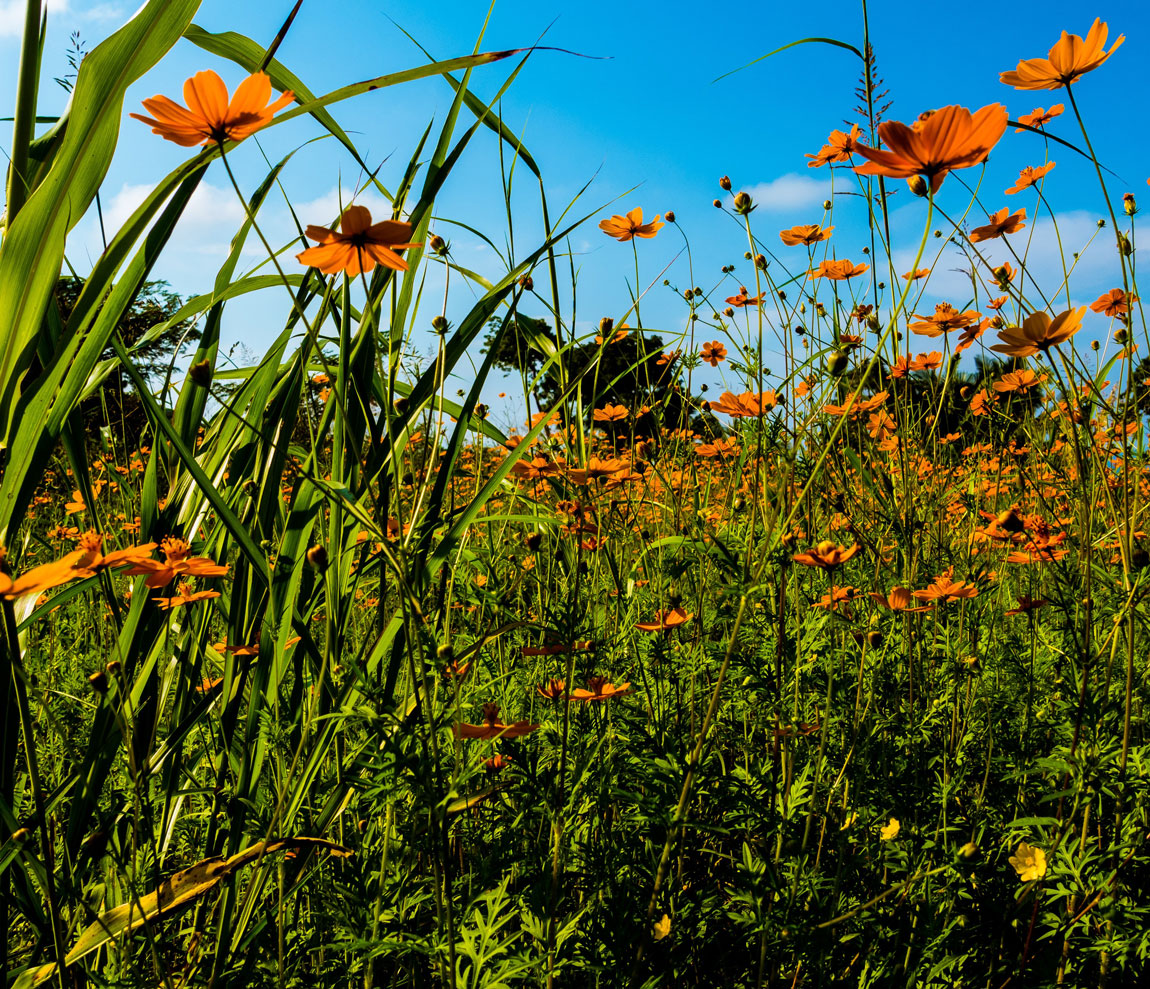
x=104, y=12
x=12, y=15
x=790, y=191
x=1096, y=269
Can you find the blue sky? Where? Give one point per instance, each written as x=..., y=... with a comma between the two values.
x=644, y=114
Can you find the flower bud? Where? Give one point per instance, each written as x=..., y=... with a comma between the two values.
x=527, y=282
x=1129, y=205
x=717, y=204
x=534, y=541
x=445, y=653
x=743, y=204
x=725, y=184
x=669, y=216
x=437, y=244
x=826, y=204
x=606, y=325
x=439, y=324
x=760, y=260
x=917, y=185
x=201, y=373
x=874, y=638
x=317, y=558
x=836, y=362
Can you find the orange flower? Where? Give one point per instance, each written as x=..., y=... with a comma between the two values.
x=810, y=233
x=949, y=138
x=1039, y=332
x=1113, y=303
x=837, y=270
x=969, y=335
x=713, y=353
x=897, y=600
x=827, y=555
x=1070, y=58
x=664, y=621
x=89, y=558
x=38, y=579
x=1037, y=117
x=742, y=299
x=611, y=413
x=747, y=405
x=901, y=367
x=836, y=596
x=945, y=319
x=625, y=227
x=599, y=689
x=209, y=118
x=176, y=562
x=359, y=246
x=184, y=596
x=913, y=276
x=552, y=690
x=1001, y=222
x=927, y=362
x=943, y=589
x=492, y=727
x=1022, y=381
x=839, y=148
x=1029, y=176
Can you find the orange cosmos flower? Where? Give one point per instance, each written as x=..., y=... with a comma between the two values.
x=901, y=367
x=1039, y=332
x=599, y=689
x=713, y=353
x=836, y=596
x=664, y=621
x=945, y=319
x=943, y=589
x=1021, y=381
x=949, y=138
x=827, y=555
x=183, y=597
x=38, y=579
x=1029, y=176
x=611, y=413
x=742, y=299
x=623, y=228
x=359, y=246
x=837, y=270
x=89, y=558
x=967, y=337
x=927, y=362
x=1037, y=117
x=1113, y=303
x=810, y=233
x=747, y=405
x=209, y=118
x=1070, y=58
x=839, y=148
x=176, y=562
x=1001, y=222
x=897, y=600
x=492, y=727
x=552, y=690
x=914, y=276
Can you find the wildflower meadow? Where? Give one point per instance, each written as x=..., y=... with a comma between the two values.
x=785, y=625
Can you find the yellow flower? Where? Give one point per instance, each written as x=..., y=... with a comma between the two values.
x=890, y=831
x=851, y=818
x=1028, y=862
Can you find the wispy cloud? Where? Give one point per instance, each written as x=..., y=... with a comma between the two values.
x=790, y=191
x=12, y=15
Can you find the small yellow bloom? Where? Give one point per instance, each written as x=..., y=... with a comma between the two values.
x=890, y=831
x=1028, y=862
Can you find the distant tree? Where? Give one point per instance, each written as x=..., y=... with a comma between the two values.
x=628, y=370
x=116, y=403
